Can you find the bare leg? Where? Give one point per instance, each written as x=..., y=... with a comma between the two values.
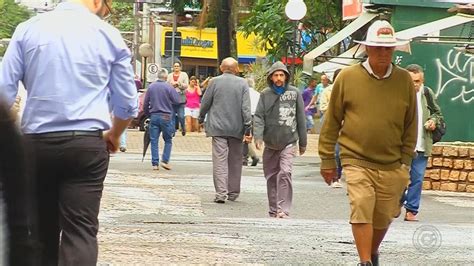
x=188, y=124
x=363, y=234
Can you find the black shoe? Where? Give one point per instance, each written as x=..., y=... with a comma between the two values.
x=255, y=161
x=216, y=200
x=245, y=163
x=365, y=263
x=375, y=259
x=123, y=149
x=183, y=133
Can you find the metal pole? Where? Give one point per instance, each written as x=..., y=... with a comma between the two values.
x=172, y=39
x=144, y=75
x=136, y=32
x=294, y=54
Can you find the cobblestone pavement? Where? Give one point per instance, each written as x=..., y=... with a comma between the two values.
x=168, y=217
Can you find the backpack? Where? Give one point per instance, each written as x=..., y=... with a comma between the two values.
x=440, y=129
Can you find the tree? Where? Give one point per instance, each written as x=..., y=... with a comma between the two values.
x=11, y=14
x=267, y=20
x=122, y=17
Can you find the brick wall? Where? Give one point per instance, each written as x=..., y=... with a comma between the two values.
x=450, y=168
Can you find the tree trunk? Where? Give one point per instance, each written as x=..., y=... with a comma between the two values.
x=226, y=34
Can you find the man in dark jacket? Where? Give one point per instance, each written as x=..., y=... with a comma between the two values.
x=227, y=105
x=280, y=122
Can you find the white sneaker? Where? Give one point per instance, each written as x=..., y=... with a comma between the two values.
x=156, y=168
x=336, y=184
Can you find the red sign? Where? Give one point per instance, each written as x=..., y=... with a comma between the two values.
x=351, y=9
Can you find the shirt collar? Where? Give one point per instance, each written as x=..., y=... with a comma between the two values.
x=369, y=69
x=72, y=6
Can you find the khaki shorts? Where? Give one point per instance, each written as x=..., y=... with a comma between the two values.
x=375, y=195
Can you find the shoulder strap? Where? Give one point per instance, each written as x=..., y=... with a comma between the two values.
x=429, y=99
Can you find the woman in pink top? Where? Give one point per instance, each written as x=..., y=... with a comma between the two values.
x=193, y=102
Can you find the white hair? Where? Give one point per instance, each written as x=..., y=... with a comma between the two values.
x=163, y=74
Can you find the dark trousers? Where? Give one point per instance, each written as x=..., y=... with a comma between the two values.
x=69, y=173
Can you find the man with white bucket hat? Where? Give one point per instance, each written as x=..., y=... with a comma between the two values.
x=372, y=114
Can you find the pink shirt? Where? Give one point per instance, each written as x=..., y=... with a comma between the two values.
x=192, y=99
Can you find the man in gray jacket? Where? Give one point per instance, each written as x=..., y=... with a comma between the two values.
x=280, y=122
x=227, y=105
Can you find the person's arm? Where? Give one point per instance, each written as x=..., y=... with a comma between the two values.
x=206, y=102
x=246, y=114
x=435, y=115
x=312, y=103
x=259, y=122
x=174, y=95
x=123, y=94
x=331, y=127
x=301, y=124
x=410, y=129
x=198, y=90
x=146, y=103
x=183, y=81
x=12, y=68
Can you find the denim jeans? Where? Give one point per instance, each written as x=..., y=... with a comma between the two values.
x=179, y=119
x=161, y=124
x=309, y=122
x=417, y=172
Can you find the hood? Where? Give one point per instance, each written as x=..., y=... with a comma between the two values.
x=278, y=65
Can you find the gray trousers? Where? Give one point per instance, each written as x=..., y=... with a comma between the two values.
x=226, y=166
x=277, y=168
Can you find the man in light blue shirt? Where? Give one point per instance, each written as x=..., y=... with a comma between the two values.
x=74, y=66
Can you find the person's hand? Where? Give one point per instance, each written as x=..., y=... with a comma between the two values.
x=306, y=108
x=248, y=139
x=15, y=109
x=302, y=150
x=258, y=144
x=113, y=141
x=329, y=175
x=430, y=125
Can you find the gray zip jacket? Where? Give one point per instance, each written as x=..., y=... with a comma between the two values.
x=227, y=105
x=279, y=119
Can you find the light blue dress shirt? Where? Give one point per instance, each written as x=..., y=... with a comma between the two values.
x=75, y=68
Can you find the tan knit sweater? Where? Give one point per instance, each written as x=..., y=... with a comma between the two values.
x=380, y=125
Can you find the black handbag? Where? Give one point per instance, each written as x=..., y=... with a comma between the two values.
x=440, y=129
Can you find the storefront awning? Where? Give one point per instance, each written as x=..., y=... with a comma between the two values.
x=337, y=38
x=348, y=57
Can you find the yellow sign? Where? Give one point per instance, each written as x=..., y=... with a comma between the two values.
x=203, y=43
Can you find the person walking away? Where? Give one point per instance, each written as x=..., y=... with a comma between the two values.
x=193, y=103
x=280, y=123
x=64, y=125
x=309, y=110
x=376, y=100
x=429, y=115
x=227, y=106
x=179, y=79
x=249, y=147
x=158, y=105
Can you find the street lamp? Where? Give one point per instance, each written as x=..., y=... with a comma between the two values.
x=145, y=50
x=295, y=10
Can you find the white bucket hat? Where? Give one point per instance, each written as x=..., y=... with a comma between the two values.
x=381, y=33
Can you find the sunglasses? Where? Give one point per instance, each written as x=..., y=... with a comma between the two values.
x=109, y=10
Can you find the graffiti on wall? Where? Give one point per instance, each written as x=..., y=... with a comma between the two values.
x=456, y=73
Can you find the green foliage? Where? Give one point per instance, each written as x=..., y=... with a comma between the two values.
x=258, y=71
x=122, y=16
x=268, y=20
x=11, y=14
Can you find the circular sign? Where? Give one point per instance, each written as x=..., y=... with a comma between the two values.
x=153, y=68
